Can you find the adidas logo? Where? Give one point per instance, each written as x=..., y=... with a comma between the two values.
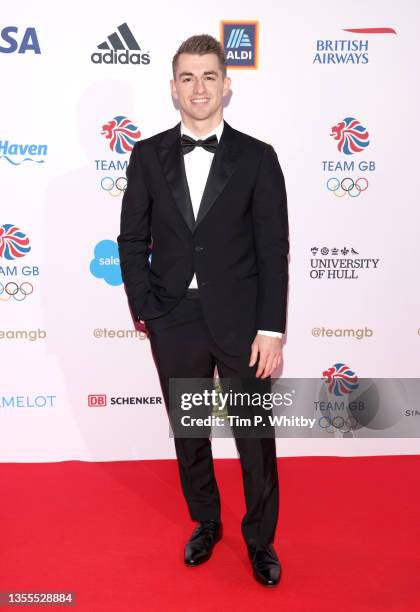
x=120, y=48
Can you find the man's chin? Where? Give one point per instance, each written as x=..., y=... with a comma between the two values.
x=201, y=114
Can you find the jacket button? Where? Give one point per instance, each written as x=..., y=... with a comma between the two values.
x=199, y=249
x=204, y=283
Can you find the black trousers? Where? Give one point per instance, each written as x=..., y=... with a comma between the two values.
x=182, y=347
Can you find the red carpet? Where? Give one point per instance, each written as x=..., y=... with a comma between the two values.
x=348, y=537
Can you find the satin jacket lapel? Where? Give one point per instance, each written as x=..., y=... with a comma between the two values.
x=223, y=165
x=174, y=169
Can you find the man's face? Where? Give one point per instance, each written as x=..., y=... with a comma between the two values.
x=199, y=85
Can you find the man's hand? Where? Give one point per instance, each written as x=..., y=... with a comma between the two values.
x=270, y=352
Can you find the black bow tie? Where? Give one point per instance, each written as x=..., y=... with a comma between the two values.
x=188, y=144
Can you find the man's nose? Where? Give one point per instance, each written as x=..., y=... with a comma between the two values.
x=199, y=86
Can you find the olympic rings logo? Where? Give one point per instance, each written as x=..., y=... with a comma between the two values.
x=114, y=187
x=338, y=422
x=347, y=186
x=15, y=291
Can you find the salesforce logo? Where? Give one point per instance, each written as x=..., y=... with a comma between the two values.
x=106, y=262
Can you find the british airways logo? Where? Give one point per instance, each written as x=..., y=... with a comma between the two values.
x=347, y=50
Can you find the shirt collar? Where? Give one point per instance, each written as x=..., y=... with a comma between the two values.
x=217, y=130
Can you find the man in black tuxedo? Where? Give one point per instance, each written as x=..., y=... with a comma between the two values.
x=213, y=202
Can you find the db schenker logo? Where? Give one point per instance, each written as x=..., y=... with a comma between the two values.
x=97, y=400
x=100, y=399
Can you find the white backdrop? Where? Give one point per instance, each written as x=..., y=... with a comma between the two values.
x=55, y=313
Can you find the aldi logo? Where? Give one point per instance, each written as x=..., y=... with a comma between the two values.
x=239, y=40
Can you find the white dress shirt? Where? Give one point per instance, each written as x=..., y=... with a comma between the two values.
x=197, y=167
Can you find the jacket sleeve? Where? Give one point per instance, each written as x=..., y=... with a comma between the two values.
x=135, y=235
x=271, y=235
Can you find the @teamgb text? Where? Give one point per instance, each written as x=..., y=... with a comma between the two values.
x=114, y=187
x=14, y=291
x=347, y=186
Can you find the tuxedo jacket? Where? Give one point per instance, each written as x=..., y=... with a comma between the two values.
x=237, y=246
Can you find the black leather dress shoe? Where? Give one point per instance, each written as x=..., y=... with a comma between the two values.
x=200, y=546
x=266, y=564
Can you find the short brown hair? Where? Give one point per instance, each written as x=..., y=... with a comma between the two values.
x=201, y=44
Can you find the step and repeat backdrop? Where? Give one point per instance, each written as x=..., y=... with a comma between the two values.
x=334, y=88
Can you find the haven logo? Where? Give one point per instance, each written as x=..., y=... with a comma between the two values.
x=121, y=133
x=106, y=263
x=17, y=154
x=239, y=40
x=14, y=245
x=120, y=48
x=12, y=42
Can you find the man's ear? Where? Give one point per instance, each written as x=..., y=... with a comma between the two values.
x=173, y=89
x=227, y=81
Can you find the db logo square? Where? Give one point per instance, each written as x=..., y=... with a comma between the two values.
x=97, y=400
